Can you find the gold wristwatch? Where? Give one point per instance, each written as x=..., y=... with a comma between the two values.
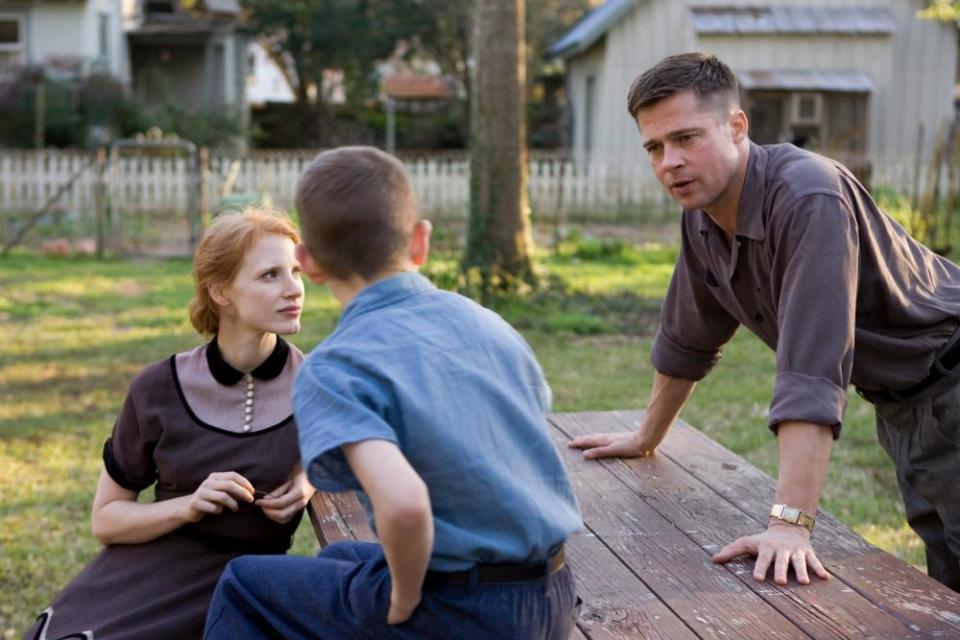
x=793, y=516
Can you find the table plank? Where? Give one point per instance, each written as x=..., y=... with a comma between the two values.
x=616, y=603
x=339, y=516
x=709, y=599
x=328, y=525
x=895, y=588
x=824, y=609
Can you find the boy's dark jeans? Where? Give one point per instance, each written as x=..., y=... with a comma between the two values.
x=344, y=594
x=922, y=436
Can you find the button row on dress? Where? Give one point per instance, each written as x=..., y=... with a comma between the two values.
x=248, y=408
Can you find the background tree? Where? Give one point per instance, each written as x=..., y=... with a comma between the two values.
x=499, y=239
x=308, y=37
x=446, y=35
x=945, y=10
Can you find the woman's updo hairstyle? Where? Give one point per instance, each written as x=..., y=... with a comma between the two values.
x=220, y=253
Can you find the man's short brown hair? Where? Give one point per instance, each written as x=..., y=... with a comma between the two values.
x=709, y=78
x=357, y=211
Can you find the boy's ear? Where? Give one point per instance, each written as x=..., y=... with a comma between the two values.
x=420, y=242
x=309, y=266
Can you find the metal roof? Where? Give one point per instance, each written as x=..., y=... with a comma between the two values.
x=793, y=20
x=591, y=28
x=847, y=81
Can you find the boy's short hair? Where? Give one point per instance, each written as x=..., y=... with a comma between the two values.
x=704, y=74
x=357, y=211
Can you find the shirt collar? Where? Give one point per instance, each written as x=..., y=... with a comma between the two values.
x=750, y=222
x=226, y=375
x=386, y=292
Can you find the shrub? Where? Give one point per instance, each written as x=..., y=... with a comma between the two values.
x=94, y=110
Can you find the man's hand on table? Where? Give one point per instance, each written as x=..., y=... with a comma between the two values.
x=619, y=444
x=784, y=545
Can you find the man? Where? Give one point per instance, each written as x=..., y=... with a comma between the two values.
x=790, y=245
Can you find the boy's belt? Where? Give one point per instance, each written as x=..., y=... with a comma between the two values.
x=498, y=573
x=947, y=358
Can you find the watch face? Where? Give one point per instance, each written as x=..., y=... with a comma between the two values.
x=790, y=514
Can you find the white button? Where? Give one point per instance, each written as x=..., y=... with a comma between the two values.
x=248, y=418
x=249, y=402
x=249, y=394
x=246, y=427
x=248, y=409
x=250, y=387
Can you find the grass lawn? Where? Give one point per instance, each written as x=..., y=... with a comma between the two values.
x=76, y=330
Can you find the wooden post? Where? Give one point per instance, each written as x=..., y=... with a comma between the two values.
x=204, y=186
x=100, y=200
x=917, y=166
x=950, y=203
x=40, y=112
x=193, y=198
x=114, y=214
x=560, y=173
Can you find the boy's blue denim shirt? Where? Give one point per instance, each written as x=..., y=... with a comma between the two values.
x=463, y=397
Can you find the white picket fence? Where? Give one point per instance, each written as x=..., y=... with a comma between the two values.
x=596, y=190
x=136, y=184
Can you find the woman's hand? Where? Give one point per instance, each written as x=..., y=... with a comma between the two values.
x=219, y=490
x=287, y=500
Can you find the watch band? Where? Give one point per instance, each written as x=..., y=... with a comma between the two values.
x=793, y=516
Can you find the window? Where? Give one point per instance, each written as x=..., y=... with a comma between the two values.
x=160, y=6
x=103, y=40
x=11, y=33
x=806, y=108
x=11, y=42
x=588, y=112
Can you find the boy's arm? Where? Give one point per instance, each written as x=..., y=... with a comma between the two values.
x=401, y=508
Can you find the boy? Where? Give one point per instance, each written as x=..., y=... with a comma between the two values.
x=431, y=407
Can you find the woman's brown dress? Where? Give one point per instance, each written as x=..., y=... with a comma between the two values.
x=182, y=420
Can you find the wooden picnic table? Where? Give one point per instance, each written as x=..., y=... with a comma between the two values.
x=642, y=562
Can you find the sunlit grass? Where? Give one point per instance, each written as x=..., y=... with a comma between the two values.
x=75, y=331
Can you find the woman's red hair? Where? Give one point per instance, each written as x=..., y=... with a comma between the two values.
x=220, y=253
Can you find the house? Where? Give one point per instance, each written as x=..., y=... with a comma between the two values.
x=848, y=77
x=418, y=93
x=265, y=80
x=68, y=37
x=190, y=51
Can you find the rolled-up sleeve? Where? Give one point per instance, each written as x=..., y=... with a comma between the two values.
x=694, y=326
x=815, y=275
x=335, y=405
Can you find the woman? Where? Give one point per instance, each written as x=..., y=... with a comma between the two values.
x=212, y=429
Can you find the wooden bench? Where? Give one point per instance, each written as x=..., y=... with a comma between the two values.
x=643, y=564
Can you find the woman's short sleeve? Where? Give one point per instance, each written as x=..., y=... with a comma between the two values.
x=128, y=452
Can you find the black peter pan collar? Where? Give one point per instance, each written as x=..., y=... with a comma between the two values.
x=267, y=370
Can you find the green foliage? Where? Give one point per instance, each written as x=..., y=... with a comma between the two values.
x=944, y=10
x=318, y=35
x=930, y=223
x=899, y=208
x=95, y=110
x=204, y=126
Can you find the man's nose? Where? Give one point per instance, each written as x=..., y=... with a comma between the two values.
x=672, y=157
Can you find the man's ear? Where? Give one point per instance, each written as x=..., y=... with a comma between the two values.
x=739, y=125
x=420, y=242
x=308, y=265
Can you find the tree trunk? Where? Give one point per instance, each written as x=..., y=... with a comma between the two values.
x=499, y=239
